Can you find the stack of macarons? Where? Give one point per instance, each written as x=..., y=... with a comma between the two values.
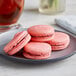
x=37, y=42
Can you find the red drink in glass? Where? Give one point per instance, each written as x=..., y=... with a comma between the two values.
x=10, y=11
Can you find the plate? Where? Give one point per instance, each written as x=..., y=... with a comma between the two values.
x=56, y=56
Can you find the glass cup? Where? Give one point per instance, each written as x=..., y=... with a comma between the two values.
x=10, y=11
x=52, y=6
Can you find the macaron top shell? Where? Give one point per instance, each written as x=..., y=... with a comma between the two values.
x=41, y=30
x=37, y=48
x=60, y=38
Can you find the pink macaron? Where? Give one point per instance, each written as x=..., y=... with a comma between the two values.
x=60, y=41
x=41, y=32
x=17, y=43
x=37, y=50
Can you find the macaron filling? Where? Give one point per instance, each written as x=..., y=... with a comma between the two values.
x=32, y=54
x=44, y=36
x=58, y=45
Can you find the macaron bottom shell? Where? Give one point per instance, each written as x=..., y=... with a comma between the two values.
x=42, y=38
x=34, y=57
x=60, y=47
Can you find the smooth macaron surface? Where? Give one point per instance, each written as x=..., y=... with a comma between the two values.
x=17, y=43
x=60, y=41
x=37, y=50
x=41, y=31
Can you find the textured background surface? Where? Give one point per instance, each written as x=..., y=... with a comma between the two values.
x=62, y=68
x=32, y=17
x=70, y=6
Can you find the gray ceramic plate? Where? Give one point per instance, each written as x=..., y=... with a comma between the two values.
x=56, y=56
